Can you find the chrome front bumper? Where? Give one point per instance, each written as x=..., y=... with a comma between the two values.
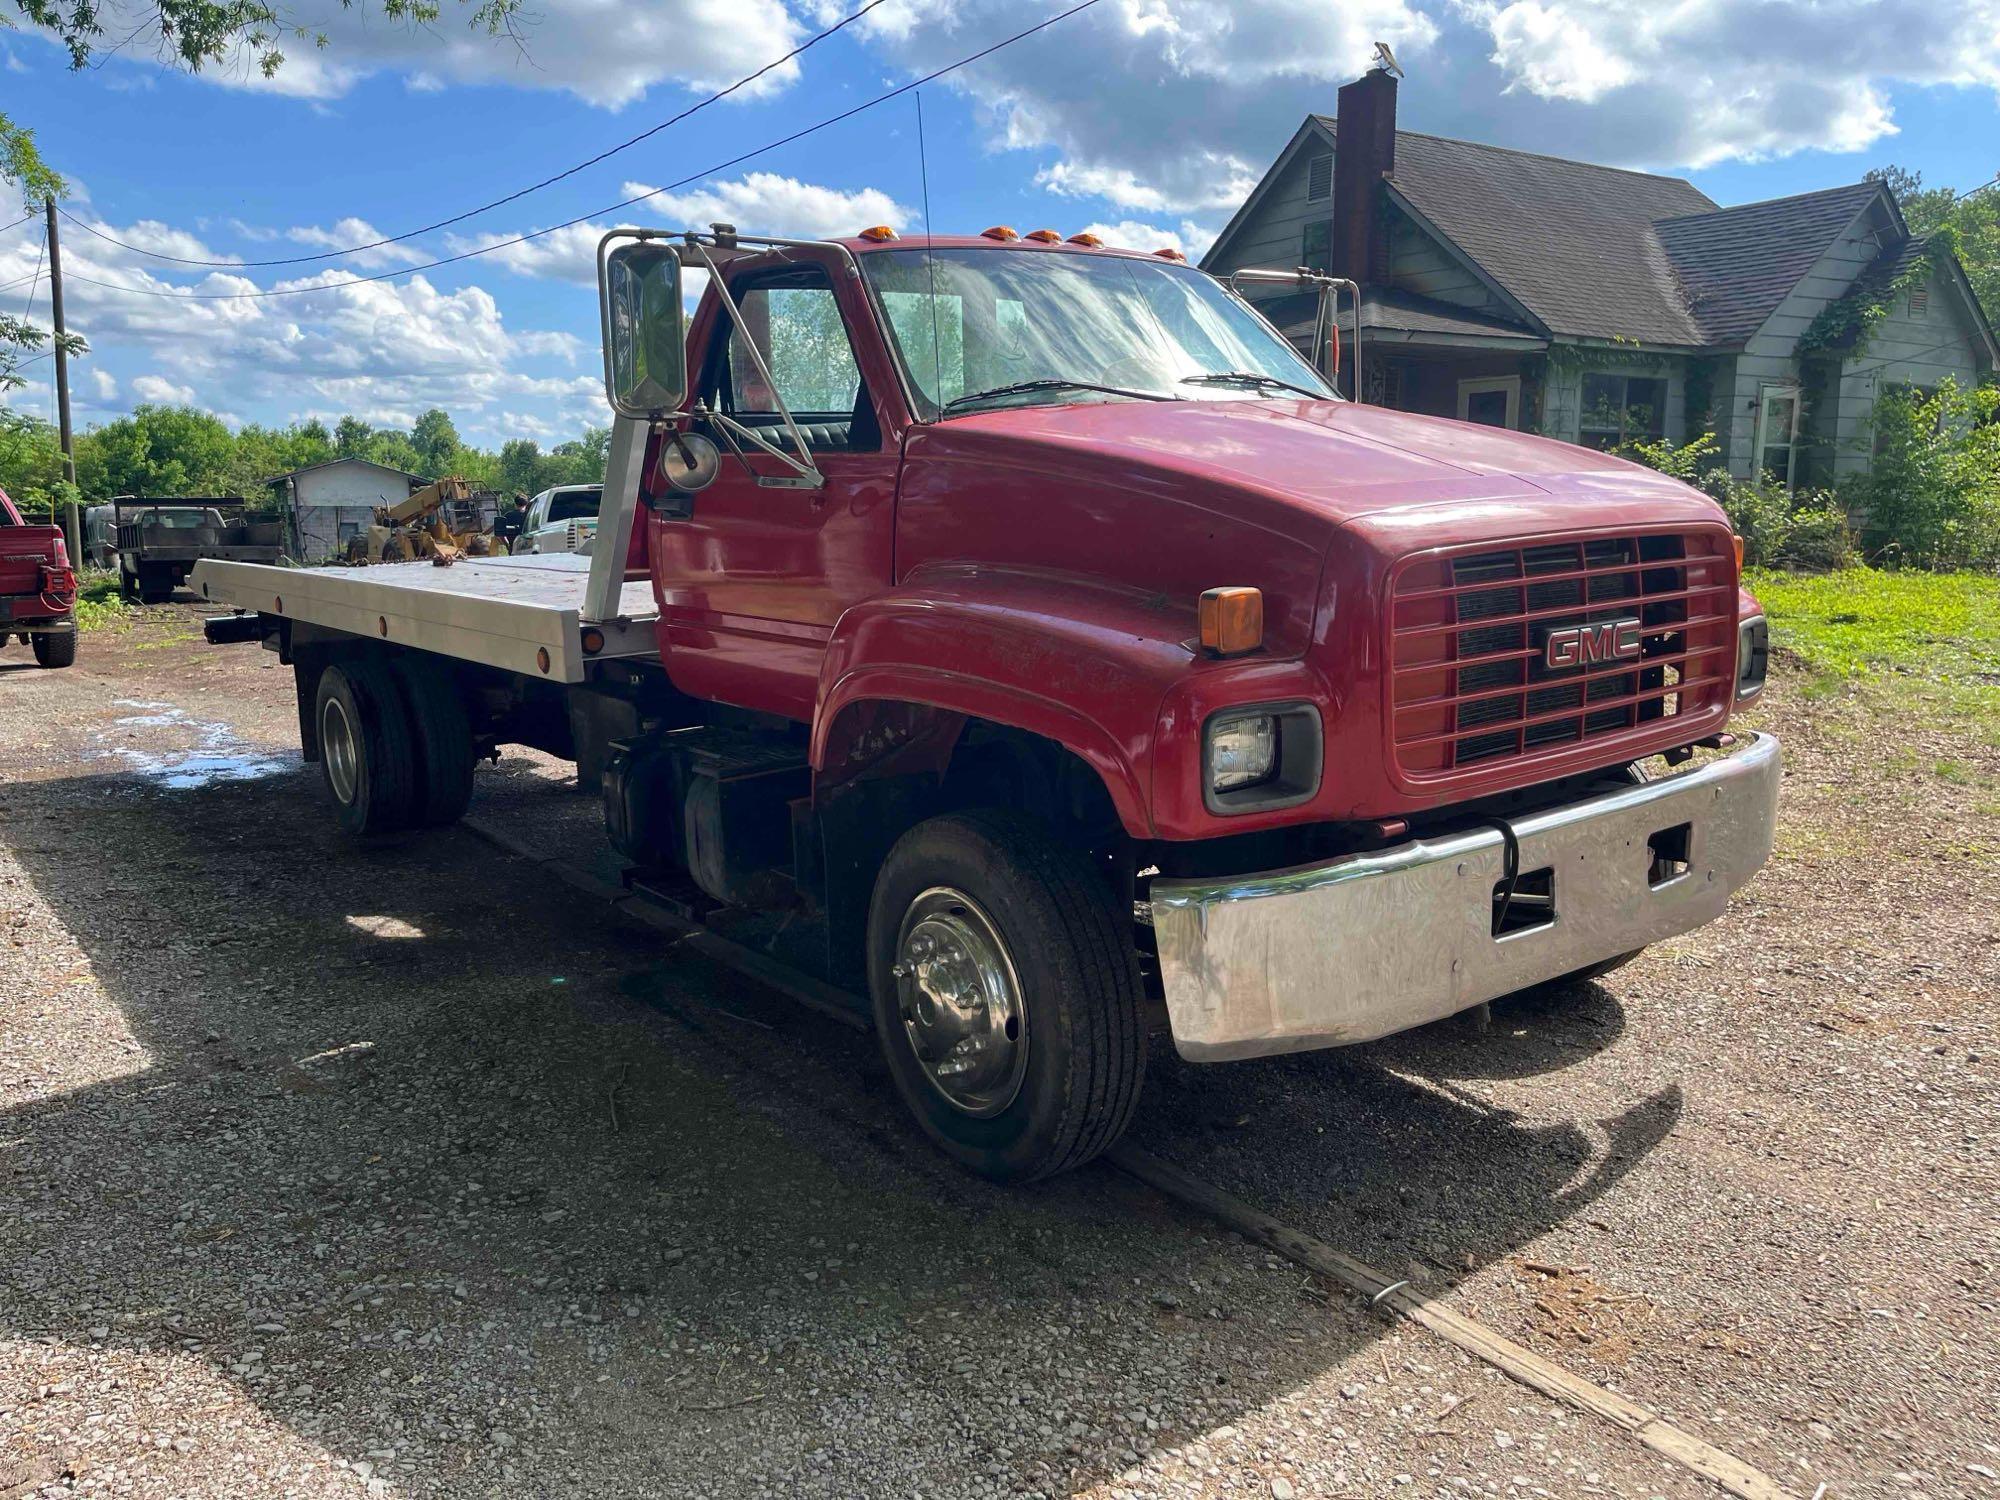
x=1371, y=944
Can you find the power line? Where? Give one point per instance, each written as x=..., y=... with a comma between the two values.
x=623, y=203
x=16, y=224
x=470, y=213
x=34, y=281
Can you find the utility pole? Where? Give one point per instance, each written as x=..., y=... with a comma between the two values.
x=71, y=521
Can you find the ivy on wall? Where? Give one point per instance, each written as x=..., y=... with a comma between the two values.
x=1846, y=324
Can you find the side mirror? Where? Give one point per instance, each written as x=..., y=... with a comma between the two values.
x=645, y=325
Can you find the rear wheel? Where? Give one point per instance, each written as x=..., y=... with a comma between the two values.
x=128, y=585
x=443, y=740
x=365, y=747
x=1006, y=995
x=55, y=648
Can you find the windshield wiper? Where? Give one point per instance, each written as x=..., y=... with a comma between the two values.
x=1248, y=377
x=1022, y=387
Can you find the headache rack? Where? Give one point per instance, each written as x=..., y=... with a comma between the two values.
x=1504, y=653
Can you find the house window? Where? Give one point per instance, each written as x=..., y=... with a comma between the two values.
x=349, y=530
x=1777, y=433
x=1316, y=248
x=1319, y=179
x=1619, y=409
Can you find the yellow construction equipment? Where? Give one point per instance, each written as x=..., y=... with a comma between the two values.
x=438, y=521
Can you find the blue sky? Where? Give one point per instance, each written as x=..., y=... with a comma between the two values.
x=1146, y=117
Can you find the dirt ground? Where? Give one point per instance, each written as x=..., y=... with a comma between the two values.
x=404, y=1170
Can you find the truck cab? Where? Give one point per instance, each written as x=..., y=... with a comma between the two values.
x=1048, y=655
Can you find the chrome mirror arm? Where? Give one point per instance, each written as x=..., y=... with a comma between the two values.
x=806, y=473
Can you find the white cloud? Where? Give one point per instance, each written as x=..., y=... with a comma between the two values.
x=1720, y=79
x=1128, y=234
x=608, y=55
x=162, y=392
x=1152, y=105
x=353, y=231
x=104, y=384
x=758, y=203
x=341, y=345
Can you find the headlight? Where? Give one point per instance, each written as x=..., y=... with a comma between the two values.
x=1259, y=757
x=1753, y=656
x=1242, y=752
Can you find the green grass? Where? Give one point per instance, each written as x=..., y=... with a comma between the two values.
x=98, y=603
x=1921, y=643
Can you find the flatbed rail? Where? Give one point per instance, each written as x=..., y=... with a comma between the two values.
x=519, y=614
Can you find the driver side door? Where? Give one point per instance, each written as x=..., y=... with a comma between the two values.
x=751, y=578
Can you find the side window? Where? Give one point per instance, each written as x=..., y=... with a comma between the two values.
x=799, y=332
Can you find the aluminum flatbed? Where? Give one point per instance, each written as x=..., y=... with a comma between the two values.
x=501, y=612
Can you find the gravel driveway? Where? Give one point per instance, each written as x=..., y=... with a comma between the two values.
x=402, y=1170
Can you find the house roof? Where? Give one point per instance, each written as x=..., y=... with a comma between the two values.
x=1569, y=240
x=1393, y=310
x=1737, y=264
x=334, y=462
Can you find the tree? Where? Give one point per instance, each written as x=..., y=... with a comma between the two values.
x=157, y=452
x=30, y=460
x=521, y=466
x=436, y=443
x=352, y=438
x=194, y=33
x=22, y=168
x=1973, y=218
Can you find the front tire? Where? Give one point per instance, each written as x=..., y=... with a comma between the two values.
x=55, y=648
x=1006, y=995
x=365, y=750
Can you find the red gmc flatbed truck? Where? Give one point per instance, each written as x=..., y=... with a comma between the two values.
x=37, y=588
x=1018, y=633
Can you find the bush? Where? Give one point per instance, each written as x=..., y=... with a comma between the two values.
x=1932, y=494
x=1806, y=529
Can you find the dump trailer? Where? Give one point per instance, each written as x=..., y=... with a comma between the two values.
x=160, y=541
x=1018, y=636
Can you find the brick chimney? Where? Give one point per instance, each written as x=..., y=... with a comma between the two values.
x=1364, y=154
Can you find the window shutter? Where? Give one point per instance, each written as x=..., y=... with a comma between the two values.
x=1319, y=179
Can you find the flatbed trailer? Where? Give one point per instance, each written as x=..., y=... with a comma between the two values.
x=516, y=614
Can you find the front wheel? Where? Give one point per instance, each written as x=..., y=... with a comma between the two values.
x=1006, y=994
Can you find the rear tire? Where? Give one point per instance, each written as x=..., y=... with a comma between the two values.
x=1006, y=995
x=128, y=586
x=367, y=757
x=55, y=649
x=443, y=739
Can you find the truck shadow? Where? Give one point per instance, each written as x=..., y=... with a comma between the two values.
x=426, y=1154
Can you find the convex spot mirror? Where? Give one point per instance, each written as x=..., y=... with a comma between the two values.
x=645, y=325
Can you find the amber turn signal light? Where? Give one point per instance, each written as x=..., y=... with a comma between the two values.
x=1232, y=620
x=1739, y=552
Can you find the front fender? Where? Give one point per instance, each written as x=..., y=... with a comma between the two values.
x=1071, y=660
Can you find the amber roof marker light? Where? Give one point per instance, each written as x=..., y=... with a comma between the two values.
x=998, y=232
x=879, y=234
x=1232, y=620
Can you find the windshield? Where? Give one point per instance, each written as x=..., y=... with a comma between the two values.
x=972, y=327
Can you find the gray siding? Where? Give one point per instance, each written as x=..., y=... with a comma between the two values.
x=1418, y=263
x=1904, y=350
x=1276, y=236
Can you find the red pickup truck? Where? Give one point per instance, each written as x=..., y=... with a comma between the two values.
x=1020, y=636
x=37, y=588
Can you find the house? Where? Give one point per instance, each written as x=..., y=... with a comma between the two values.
x=325, y=505
x=1601, y=305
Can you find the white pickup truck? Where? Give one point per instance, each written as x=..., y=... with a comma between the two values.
x=562, y=519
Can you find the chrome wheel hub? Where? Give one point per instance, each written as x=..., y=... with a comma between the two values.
x=961, y=1002
x=336, y=747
